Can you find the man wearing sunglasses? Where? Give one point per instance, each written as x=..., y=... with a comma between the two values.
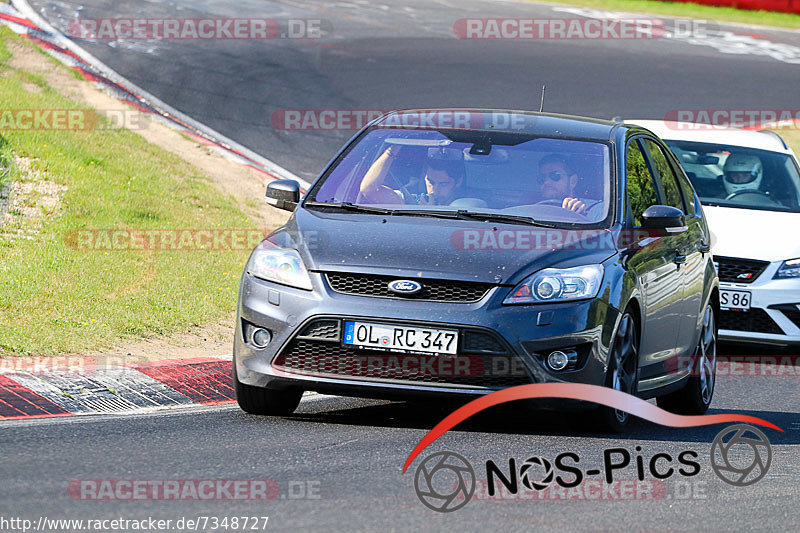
x=557, y=180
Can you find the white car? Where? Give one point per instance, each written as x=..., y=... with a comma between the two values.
x=749, y=185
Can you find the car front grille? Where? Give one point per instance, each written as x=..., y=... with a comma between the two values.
x=436, y=290
x=737, y=270
x=482, y=360
x=326, y=329
x=755, y=320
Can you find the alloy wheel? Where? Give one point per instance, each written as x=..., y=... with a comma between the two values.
x=624, y=361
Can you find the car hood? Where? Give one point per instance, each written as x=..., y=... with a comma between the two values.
x=753, y=233
x=432, y=247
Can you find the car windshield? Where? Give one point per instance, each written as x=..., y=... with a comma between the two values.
x=734, y=176
x=444, y=172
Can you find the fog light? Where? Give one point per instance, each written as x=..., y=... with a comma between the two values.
x=557, y=360
x=261, y=337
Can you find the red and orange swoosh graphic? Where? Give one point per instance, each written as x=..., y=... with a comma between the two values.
x=578, y=391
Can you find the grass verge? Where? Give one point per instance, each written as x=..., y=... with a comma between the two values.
x=688, y=10
x=58, y=296
x=791, y=137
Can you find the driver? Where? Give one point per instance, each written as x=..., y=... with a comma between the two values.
x=742, y=173
x=558, y=180
x=443, y=180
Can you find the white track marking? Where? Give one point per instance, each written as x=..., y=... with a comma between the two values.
x=723, y=41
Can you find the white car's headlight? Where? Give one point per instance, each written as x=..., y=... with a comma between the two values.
x=281, y=265
x=558, y=285
x=789, y=269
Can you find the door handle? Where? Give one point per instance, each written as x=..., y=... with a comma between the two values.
x=704, y=247
x=679, y=259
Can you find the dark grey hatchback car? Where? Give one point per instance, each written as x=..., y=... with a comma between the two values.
x=451, y=253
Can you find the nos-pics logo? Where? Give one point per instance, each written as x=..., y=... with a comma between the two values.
x=445, y=481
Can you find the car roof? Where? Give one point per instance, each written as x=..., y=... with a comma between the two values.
x=502, y=120
x=687, y=131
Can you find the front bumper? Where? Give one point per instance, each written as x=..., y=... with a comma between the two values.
x=526, y=333
x=774, y=315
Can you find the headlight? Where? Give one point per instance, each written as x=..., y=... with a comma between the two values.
x=558, y=285
x=281, y=265
x=789, y=269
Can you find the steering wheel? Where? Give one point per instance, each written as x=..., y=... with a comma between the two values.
x=557, y=203
x=753, y=191
x=560, y=203
x=545, y=211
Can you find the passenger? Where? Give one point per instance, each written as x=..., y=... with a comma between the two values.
x=443, y=181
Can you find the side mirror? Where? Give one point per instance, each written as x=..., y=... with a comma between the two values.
x=283, y=194
x=664, y=217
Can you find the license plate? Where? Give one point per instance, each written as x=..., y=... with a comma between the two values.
x=734, y=300
x=401, y=337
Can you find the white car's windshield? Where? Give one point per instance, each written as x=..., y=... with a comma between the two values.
x=735, y=176
x=546, y=179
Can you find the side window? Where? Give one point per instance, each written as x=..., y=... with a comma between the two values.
x=688, y=194
x=669, y=183
x=641, y=191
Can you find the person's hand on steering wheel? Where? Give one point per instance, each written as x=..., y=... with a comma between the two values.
x=573, y=204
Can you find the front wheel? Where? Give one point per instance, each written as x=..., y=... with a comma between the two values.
x=261, y=401
x=623, y=371
x=695, y=397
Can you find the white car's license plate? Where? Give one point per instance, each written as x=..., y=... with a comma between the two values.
x=401, y=337
x=736, y=300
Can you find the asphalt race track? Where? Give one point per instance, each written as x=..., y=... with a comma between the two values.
x=348, y=454
x=338, y=461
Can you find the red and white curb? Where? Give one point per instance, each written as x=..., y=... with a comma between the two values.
x=24, y=20
x=38, y=389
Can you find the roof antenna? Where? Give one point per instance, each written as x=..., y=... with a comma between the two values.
x=541, y=104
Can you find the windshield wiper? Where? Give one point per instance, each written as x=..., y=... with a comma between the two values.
x=351, y=207
x=461, y=214
x=500, y=217
x=434, y=213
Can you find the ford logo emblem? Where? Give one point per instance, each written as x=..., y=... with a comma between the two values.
x=404, y=286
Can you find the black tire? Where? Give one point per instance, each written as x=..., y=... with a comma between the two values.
x=623, y=371
x=695, y=397
x=261, y=401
